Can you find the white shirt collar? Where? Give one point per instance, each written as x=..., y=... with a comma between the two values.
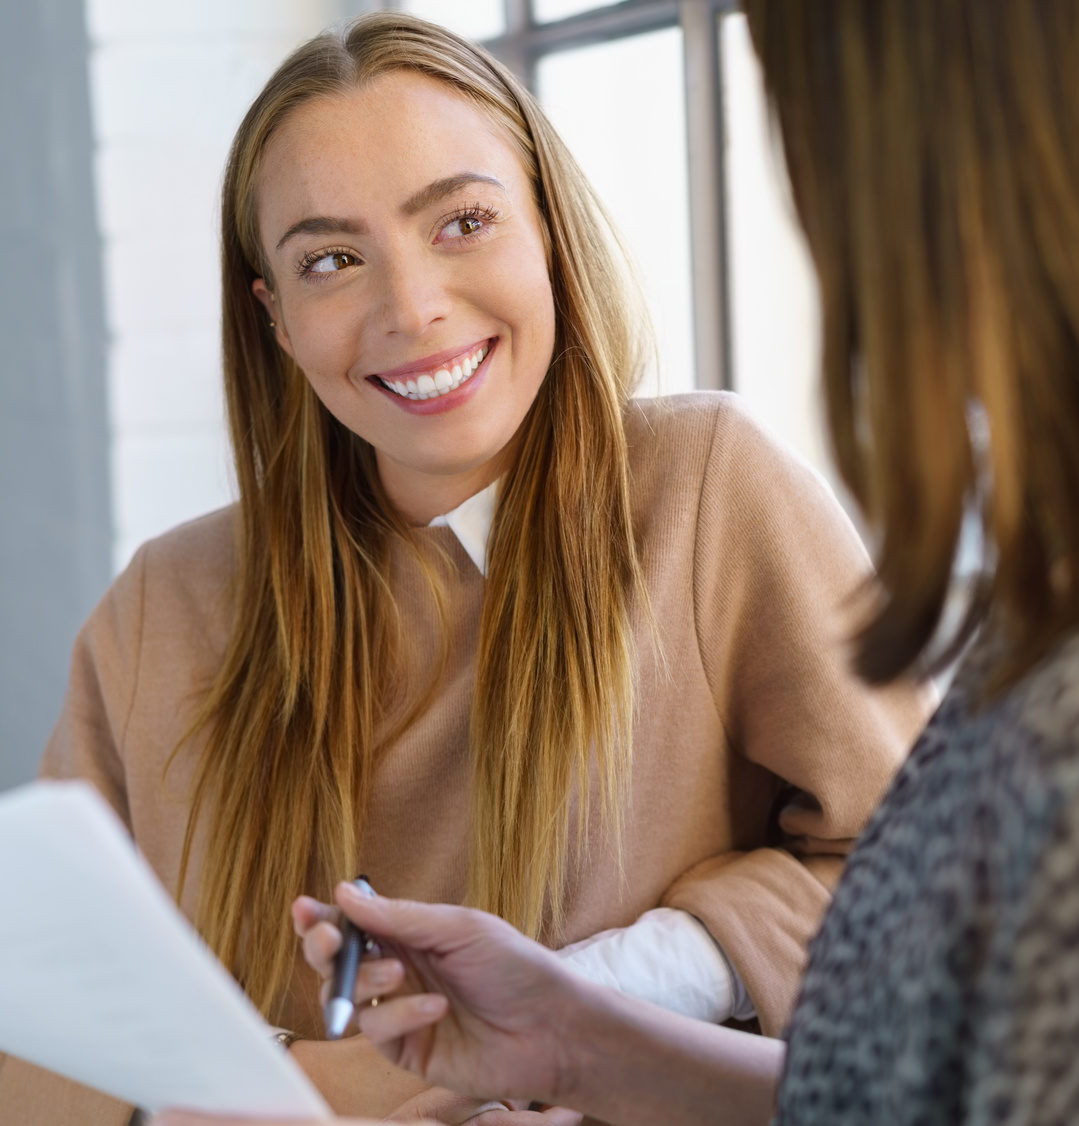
x=471, y=523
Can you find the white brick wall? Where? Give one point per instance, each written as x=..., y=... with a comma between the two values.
x=169, y=84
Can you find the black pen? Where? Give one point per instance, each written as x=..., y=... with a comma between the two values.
x=346, y=965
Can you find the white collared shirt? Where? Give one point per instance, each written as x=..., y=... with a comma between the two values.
x=471, y=523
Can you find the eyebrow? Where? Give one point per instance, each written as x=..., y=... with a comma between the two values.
x=439, y=189
x=432, y=193
x=321, y=225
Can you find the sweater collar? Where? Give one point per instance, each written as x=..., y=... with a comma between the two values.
x=471, y=523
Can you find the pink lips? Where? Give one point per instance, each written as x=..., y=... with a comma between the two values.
x=428, y=365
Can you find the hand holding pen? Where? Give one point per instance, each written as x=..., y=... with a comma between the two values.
x=511, y=1003
x=355, y=943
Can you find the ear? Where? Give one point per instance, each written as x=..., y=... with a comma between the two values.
x=266, y=296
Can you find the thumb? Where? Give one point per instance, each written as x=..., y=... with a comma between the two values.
x=428, y=927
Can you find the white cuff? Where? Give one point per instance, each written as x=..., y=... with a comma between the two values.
x=666, y=957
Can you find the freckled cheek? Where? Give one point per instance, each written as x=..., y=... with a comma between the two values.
x=325, y=346
x=533, y=301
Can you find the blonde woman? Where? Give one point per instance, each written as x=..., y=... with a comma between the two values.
x=480, y=625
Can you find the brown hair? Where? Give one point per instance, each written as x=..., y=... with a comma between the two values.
x=297, y=695
x=933, y=151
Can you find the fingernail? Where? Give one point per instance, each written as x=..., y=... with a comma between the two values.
x=429, y=1005
x=355, y=893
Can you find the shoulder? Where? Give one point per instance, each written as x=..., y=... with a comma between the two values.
x=1034, y=840
x=713, y=433
x=1022, y=744
x=998, y=777
x=198, y=551
x=707, y=448
x=1045, y=779
x=697, y=417
x=180, y=580
x=1034, y=743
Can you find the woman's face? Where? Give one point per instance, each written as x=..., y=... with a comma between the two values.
x=410, y=282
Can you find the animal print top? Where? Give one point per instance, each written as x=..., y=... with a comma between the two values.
x=943, y=986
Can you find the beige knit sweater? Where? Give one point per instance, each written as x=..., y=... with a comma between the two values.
x=757, y=756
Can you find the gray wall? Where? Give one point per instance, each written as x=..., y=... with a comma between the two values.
x=54, y=490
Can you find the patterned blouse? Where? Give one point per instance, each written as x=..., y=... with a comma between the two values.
x=943, y=986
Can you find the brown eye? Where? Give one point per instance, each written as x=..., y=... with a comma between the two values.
x=330, y=262
x=462, y=226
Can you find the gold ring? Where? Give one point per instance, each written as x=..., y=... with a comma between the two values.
x=373, y=1003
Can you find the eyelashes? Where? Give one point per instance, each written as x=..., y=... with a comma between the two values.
x=471, y=222
x=335, y=258
x=464, y=225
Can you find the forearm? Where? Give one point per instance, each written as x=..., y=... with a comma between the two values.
x=630, y=1062
x=354, y=1077
x=762, y=908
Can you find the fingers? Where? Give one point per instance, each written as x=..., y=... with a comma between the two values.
x=320, y=944
x=442, y=1104
x=306, y=912
x=561, y=1116
x=555, y=1116
x=191, y=1118
x=377, y=978
x=395, y=1017
x=316, y=924
x=421, y=926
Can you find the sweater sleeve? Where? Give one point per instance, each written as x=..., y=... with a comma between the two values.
x=777, y=565
x=88, y=739
x=86, y=743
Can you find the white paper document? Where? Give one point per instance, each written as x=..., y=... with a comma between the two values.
x=103, y=980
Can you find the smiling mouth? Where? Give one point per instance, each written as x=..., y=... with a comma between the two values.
x=431, y=385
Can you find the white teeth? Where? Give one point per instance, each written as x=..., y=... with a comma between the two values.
x=440, y=382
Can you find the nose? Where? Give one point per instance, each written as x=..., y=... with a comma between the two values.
x=413, y=294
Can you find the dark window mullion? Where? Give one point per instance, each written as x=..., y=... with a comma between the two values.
x=706, y=148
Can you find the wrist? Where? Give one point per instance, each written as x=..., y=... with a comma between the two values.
x=628, y=1057
x=353, y=1076
x=587, y=1033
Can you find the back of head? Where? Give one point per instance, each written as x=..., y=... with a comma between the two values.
x=933, y=151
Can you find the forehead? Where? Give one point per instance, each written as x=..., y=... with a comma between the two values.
x=384, y=139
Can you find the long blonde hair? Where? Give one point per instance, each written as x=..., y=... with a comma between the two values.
x=296, y=718
x=933, y=149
